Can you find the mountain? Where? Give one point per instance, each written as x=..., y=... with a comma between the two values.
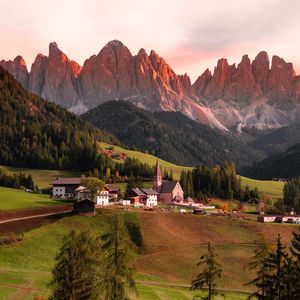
x=36, y=133
x=283, y=165
x=170, y=135
x=252, y=94
x=278, y=140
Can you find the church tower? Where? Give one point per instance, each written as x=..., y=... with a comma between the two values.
x=157, y=180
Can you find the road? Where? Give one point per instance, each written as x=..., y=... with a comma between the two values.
x=8, y=220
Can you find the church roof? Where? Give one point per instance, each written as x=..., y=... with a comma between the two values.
x=168, y=186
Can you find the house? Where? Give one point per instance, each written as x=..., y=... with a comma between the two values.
x=136, y=197
x=188, y=201
x=143, y=197
x=168, y=191
x=119, y=156
x=113, y=191
x=102, y=198
x=65, y=187
x=151, y=197
x=82, y=193
x=85, y=208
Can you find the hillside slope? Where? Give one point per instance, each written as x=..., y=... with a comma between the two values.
x=36, y=133
x=170, y=135
x=278, y=140
x=283, y=165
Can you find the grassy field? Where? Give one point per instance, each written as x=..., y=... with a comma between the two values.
x=149, y=159
x=42, y=178
x=171, y=246
x=17, y=199
x=274, y=188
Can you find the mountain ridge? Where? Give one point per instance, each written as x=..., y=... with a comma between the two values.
x=253, y=94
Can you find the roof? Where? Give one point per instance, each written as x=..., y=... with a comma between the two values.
x=112, y=188
x=138, y=192
x=66, y=181
x=189, y=199
x=168, y=186
x=149, y=192
x=81, y=189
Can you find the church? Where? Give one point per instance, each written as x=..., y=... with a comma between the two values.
x=168, y=191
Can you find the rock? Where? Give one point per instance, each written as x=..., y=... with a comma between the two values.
x=18, y=69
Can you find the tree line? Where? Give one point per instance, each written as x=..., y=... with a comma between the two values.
x=218, y=181
x=16, y=180
x=291, y=194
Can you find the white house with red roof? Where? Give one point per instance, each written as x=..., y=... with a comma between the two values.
x=65, y=187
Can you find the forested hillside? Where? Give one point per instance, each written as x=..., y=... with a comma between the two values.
x=278, y=140
x=36, y=133
x=283, y=165
x=170, y=136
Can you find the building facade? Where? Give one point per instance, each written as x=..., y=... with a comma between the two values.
x=168, y=191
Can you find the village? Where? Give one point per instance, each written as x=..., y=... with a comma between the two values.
x=163, y=194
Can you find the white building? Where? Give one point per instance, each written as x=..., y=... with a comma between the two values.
x=151, y=197
x=82, y=193
x=102, y=198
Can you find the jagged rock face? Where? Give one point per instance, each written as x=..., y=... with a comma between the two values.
x=202, y=82
x=18, y=69
x=53, y=77
x=281, y=79
x=260, y=68
x=249, y=95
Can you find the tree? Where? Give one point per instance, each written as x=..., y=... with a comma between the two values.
x=210, y=273
x=119, y=252
x=93, y=184
x=279, y=263
x=260, y=262
x=295, y=250
x=76, y=274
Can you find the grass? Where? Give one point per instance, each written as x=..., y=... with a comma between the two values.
x=42, y=178
x=170, y=244
x=149, y=159
x=274, y=188
x=18, y=199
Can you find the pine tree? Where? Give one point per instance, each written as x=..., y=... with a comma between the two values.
x=260, y=262
x=278, y=280
x=76, y=274
x=295, y=250
x=210, y=273
x=120, y=269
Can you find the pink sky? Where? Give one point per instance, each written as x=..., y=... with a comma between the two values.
x=190, y=35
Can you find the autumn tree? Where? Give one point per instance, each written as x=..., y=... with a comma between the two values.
x=93, y=184
x=210, y=273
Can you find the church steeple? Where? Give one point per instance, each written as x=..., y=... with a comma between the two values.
x=157, y=180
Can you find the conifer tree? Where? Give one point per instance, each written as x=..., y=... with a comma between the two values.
x=77, y=274
x=210, y=273
x=120, y=269
x=261, y=262
x=295, y=250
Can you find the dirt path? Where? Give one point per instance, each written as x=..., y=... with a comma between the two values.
x=184, y=285
x=28, y=289
x=35, y=216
